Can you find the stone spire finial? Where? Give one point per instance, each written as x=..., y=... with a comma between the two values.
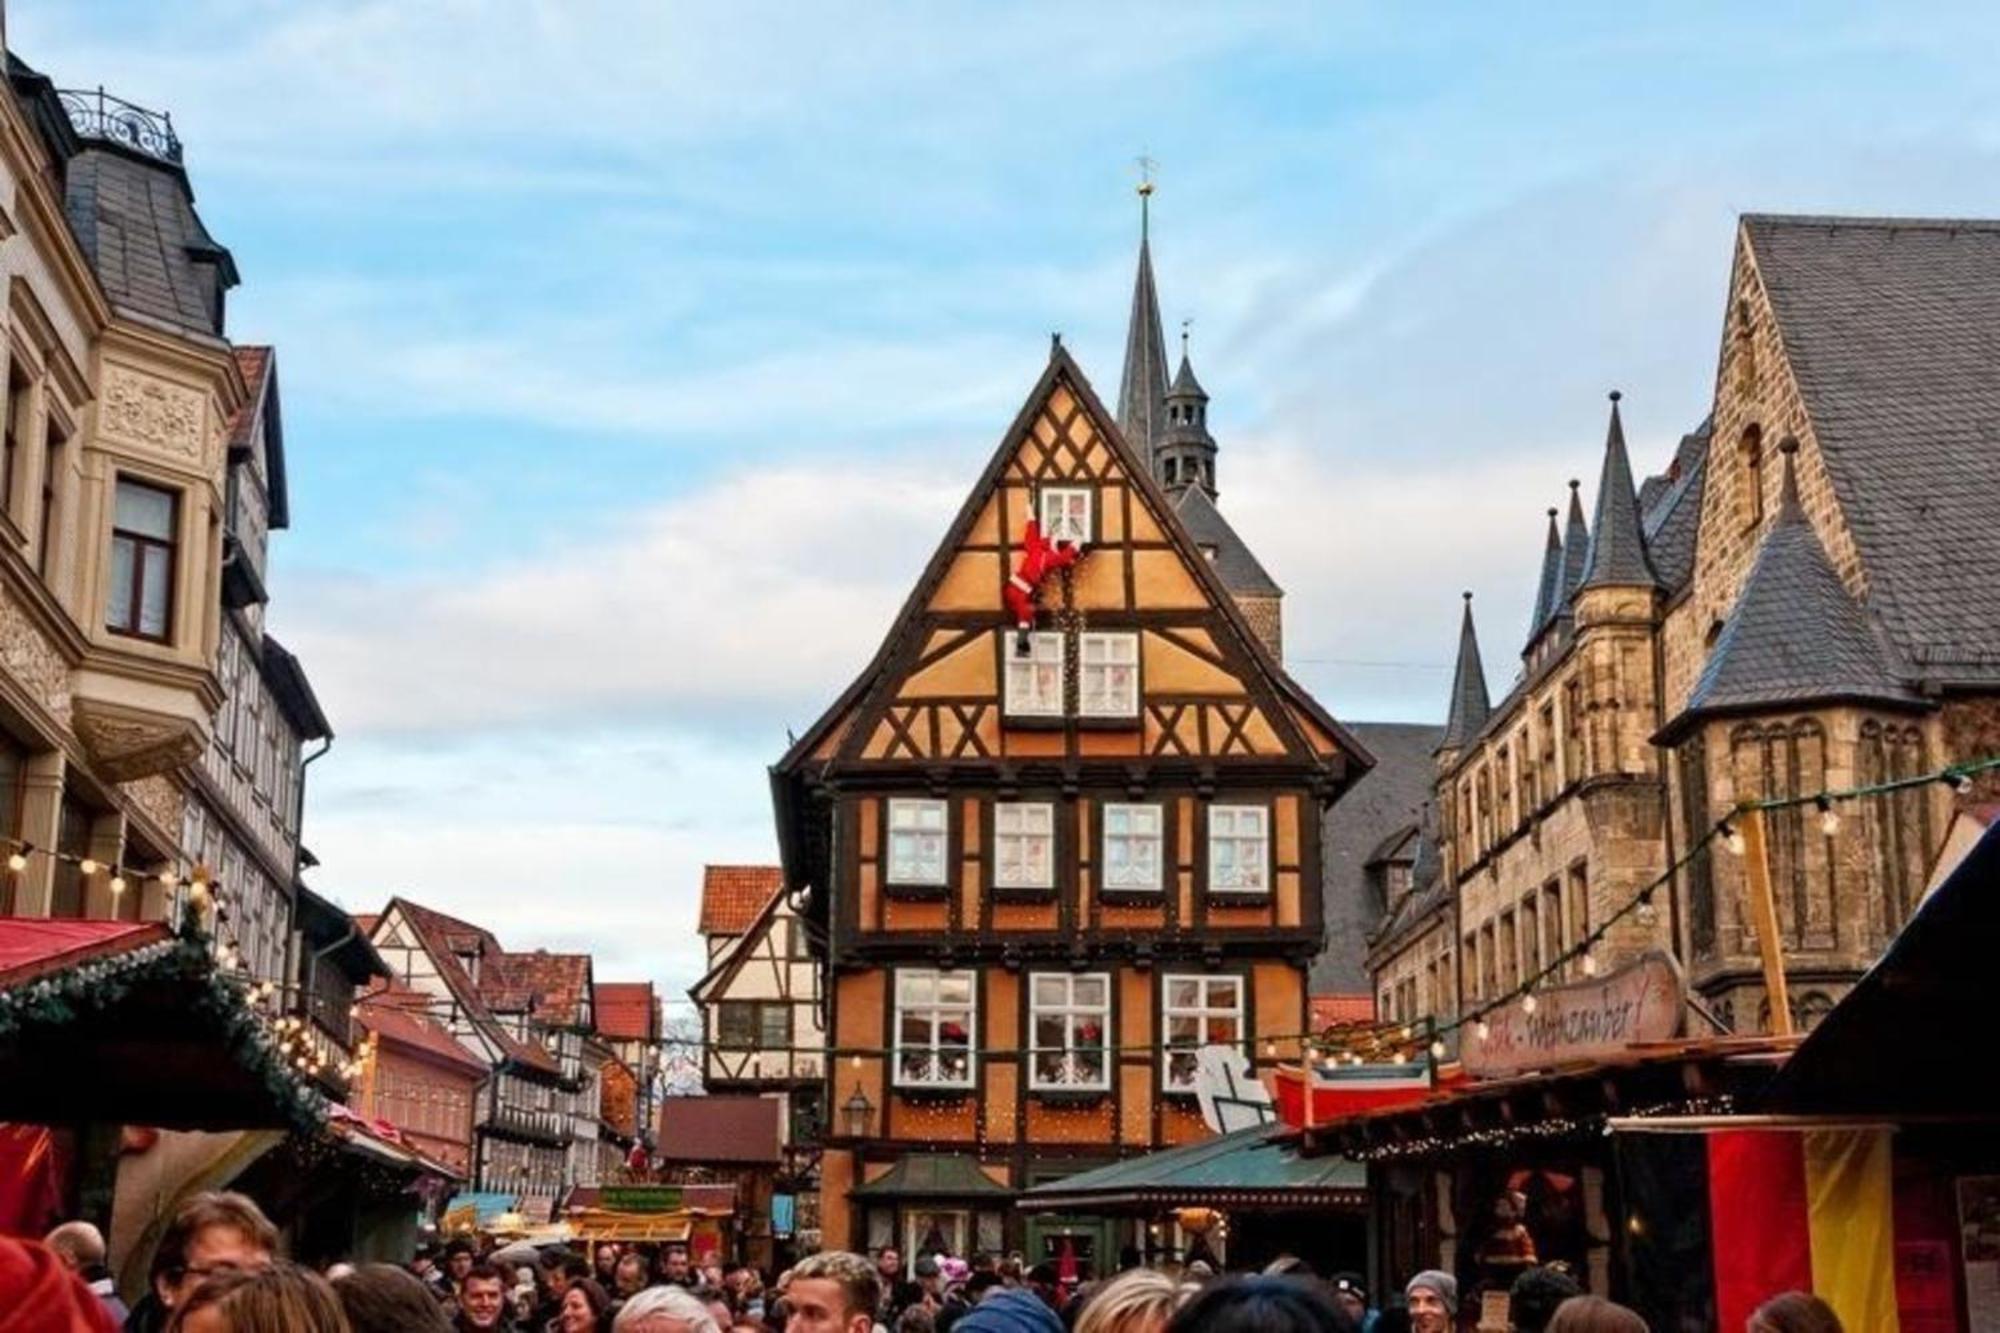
x=1470, y=703
x=1617, y=538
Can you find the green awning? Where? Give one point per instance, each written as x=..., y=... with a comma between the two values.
x=1256, y=1167
x=924, y=1175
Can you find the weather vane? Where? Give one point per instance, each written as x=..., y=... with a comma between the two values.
x=1146, y=168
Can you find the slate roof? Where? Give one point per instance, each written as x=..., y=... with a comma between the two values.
x=1617, y=542
x=717, y=1129
x=1794, y=634
x=932, y=1175
x=1576, y=543
x=1470, y=704
x=1238, y=569
x=136, y=222
x=732, y=896
x=1142, y=390
x=1673, y=517
x=1382, y=806
x=1549, y=590
x=627, y=1011
x=1891, y=327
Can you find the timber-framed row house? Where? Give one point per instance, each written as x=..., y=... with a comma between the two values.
x=1042, y=872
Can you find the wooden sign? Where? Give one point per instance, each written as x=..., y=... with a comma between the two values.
x=1586, y=1020
x=640, y=1198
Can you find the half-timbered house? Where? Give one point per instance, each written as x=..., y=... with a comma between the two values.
x=1043, y=869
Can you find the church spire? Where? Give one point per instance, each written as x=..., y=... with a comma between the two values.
x=1185, y=454
x=1576, y=545
x=1469, y=701
x=1549, y=592
x=1617, y=539
x=1142, y=393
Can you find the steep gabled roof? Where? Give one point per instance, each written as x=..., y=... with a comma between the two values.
x=628, y=1011
x=401, y=1015
x=733, y=896
x=1795, y=635
x=442, y=937
x=1888, y=327
x=1470, y=704
x=1617, y=541
x=556, y=984
x=1234, y=564
x=1673, y=518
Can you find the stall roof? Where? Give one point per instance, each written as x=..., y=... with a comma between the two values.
x=1260, y=1165
x=927, y=1175
x=1898, y=1043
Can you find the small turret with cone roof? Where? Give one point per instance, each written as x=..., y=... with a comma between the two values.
x=1470, y=704
x=1185, y=455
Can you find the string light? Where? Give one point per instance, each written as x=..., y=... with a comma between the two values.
x=1960, y=782
x=17, y=861
x=1528, y=1003
x=87, y=866
x=1647, y=913
x=1829, y=818
x=117, y=884
x=1482, y=1029
x=1437, y=1049
x=1731, y=838
x=1589, y=965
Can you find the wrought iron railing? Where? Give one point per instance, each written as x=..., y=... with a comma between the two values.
x=96, y=114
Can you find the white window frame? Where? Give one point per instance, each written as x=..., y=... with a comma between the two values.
x=1249, y=851
x=1045, y=650
x=1202, y=1010
x=1125, y=813
x=911, y=985
x=1055, y=525
x=1023, y=816
x=1072, y=1013
x=1128, y=704
x=914, y=809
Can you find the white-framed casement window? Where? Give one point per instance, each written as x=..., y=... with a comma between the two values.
x=1133, y=846
x=917, y=841
x=1197, y=1011
x=1024, y=845
x=1069, y=1016
x=1066, y=513
x=935, y=1014
x=1239, y=848
x=1035, y=678
x=1108, y=681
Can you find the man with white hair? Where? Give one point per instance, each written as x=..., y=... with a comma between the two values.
x=80, y=1246
x=664, y=1310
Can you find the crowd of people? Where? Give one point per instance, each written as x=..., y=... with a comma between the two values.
x=217, y=1269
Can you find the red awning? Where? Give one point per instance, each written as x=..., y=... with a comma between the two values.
x=33, y=946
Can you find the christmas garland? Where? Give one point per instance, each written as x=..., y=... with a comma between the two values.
x=94, y=987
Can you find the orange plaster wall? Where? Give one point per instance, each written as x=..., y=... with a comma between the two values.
x=1237, y=918
x=1281, y=999
x=1289, y=910
x=916, y=1119
x=1099, y=582
x=970, y=583
x=986, y=528
x=1032, y=744
x=1024, y=916
x=974, y=841
x=1163, y=583
x=1135, y=1091
x=968, y=669
x=901, y=914
x=1181, y=1123
x=1069, y=1124
x=1110, y=744
x=1133, y=918
x=1111, y=515
x=836, y=1177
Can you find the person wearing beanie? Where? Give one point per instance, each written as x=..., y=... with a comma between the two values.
x=1009, y=1310
x=40, y=1294
x=1433, y=1297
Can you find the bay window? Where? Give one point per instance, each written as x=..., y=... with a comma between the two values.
x=142, y=561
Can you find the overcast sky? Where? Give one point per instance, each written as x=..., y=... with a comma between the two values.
x=635, y=356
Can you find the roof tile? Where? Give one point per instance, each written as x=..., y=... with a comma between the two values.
x=732, y=896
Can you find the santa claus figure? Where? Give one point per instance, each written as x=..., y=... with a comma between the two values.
x=1039, y=557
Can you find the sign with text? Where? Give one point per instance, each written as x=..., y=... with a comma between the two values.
x=1586, y=1020
x=640, y=1198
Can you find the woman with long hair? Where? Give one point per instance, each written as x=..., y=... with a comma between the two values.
x=283, y=1298
x=586, y=1308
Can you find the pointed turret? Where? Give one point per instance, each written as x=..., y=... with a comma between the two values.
x=1469, y=701
x=1576, y=544
x=1617, y=541
x=1796, y=636
x=1185, y=455
x=1142, y=393
x=1549, y=593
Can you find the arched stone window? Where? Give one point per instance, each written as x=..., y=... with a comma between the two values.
x=1750, y=473
x=1898, y=823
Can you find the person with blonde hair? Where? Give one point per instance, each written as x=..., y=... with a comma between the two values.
x=1139, y=1300
x=278, y=1298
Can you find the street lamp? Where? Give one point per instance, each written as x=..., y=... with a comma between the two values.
x=858, y=1109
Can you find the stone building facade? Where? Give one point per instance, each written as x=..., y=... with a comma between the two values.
x=1801, y=601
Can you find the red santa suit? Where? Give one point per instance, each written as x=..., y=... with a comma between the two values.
x=1039, y=556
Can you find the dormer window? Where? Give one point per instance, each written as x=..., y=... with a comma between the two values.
x=469, y=960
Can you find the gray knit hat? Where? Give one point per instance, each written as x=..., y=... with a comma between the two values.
x=1444, y=1284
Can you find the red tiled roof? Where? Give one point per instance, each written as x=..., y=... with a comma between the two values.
x=253, y=362
x=365, y=921
x=399, y=1015
x=732, y=896
x=627, y=1011
x=720, y=1129
x=1332, y=1011
x=442, y=937
x=554, y=984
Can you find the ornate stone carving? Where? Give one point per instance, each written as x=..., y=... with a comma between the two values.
x=27, y=654
x=126, y=744
x=153, y=413
x=159, y=800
